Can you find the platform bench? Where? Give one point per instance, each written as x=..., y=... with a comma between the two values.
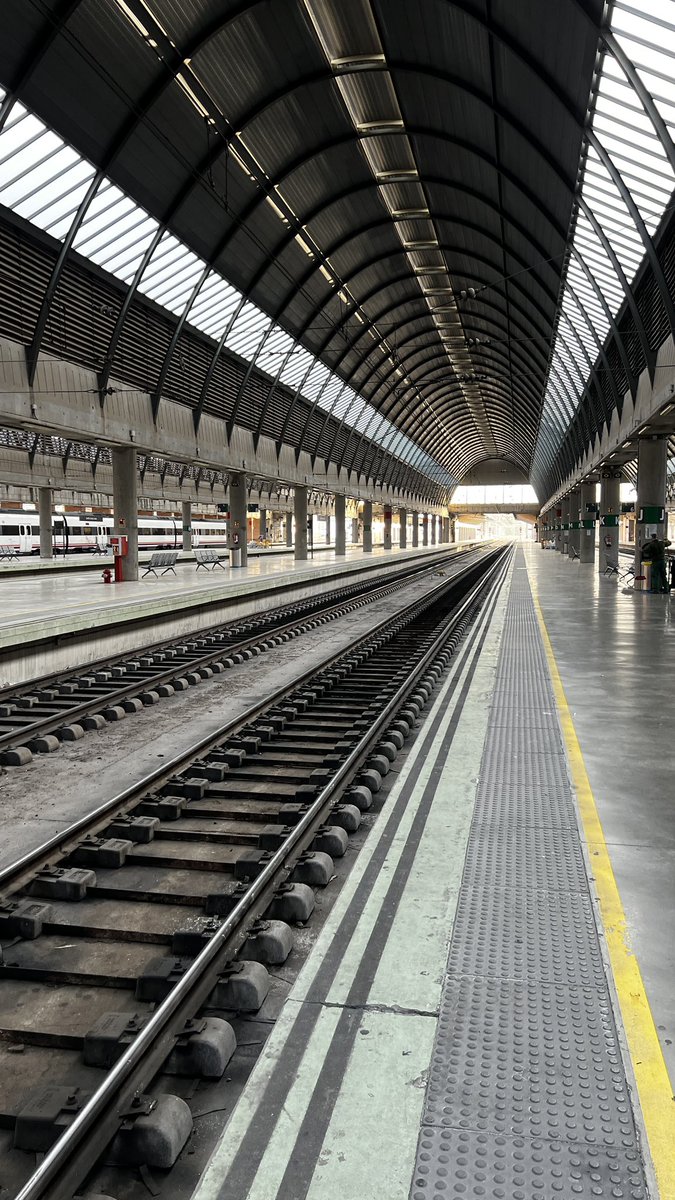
x=162, y=561
x=6, y=553
x=208, y=558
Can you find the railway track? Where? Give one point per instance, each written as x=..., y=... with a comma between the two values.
x=36, y=718
x=131, y=942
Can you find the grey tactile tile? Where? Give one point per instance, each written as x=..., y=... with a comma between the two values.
x=527, y=1094
x=542, y=858
x=535, y=1060
x=455, y=1164
x=530, y=936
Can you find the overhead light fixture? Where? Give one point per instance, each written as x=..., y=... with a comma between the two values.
x=303, y=244
x=667, y=409
x=385, y=126
x=437, y=291
x=429, y=244
x=410, y=214
x=326, y=273
x=430, y=270
x=402, y=176
x=358, y=62
x=645, y=429
x=192, y=97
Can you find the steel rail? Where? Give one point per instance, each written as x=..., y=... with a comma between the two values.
x=70, y=1144
x=11, y=876
x=147, y=679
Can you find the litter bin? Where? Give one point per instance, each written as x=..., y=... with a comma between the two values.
x=235, y=556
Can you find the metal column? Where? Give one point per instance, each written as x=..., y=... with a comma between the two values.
x=610, y=509
x=432, y=529
x=650, y=507
x=125, y=507
x=574, y=503
x=45, y=514
x=587, y=531
x=403, y=528
x=238, y=518
x=300, y=512
x=340, y=532
x=425, y=529
x=415, y=529
x=186, y=508
x=387, y=528
x=367, y=526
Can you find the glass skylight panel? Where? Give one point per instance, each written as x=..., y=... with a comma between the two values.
x=248, y=331
x=275, y=349
x=45, y=181
x=316, y=380
x=296, y=367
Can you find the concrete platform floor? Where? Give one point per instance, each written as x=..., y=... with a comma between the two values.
x=615, y=651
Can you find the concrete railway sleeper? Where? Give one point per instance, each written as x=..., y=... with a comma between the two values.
x=132, y=942
x=37, y=718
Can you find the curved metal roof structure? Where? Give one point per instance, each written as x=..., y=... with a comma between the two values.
x=424, y=218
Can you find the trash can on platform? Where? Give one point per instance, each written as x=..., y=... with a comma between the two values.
x=235, y=556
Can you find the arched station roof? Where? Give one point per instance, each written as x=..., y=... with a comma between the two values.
x=435, y=205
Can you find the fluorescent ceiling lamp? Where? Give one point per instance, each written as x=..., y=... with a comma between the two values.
x=430, y=270
x=429, y=244
x=392, y=126
x=358, y=62
x=410, y=214
x=402, y=176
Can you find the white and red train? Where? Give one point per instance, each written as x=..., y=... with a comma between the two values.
x=73, y=533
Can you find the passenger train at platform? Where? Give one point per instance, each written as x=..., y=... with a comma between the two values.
x=74, y=533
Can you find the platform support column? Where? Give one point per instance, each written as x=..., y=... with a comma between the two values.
x=45, y=514
x=403, y=528
x=432, y=529
x=610, y=509
x=415, y=530
x=565, y=520
x=186, y=508
x=238, y=518
x=340, y=530
x=387, y=528
x=300, y=515
x=650, y=507
x=446, y=530
x=425, y=529
x=262, y=522
x=367, y=526
x=125, y=507
x=453, y=530
x=355, y=531
x=573, y=543
x=327, y=520
x=587, y=531
x=289, y=529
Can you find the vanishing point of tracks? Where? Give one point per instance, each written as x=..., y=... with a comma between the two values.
x=132, y=941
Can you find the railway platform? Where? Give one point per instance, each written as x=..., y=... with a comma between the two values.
x=51, y=622
x=487, y=1011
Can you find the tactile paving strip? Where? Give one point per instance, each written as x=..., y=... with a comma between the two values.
x=527, y=1093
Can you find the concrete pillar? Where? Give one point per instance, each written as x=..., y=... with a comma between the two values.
x=263, y=522
x=575, y=503
x=300, y=514
x=610, y=510
x=387, y=528
x=186, y=508
x=446, y=531
x=45, y=514
x=340, y=531
x=327, y=520
x=587, y=531
x=453, y=530
x=651, y=493
x=125, y=507
x=403, y=528
x=425, y=529
x=367, y=526
x=415, y=530
x=432, y=529
x=239, y=516
x=355, y=531
x=289, y=528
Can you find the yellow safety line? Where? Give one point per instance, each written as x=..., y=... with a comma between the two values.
x=654, y=1086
